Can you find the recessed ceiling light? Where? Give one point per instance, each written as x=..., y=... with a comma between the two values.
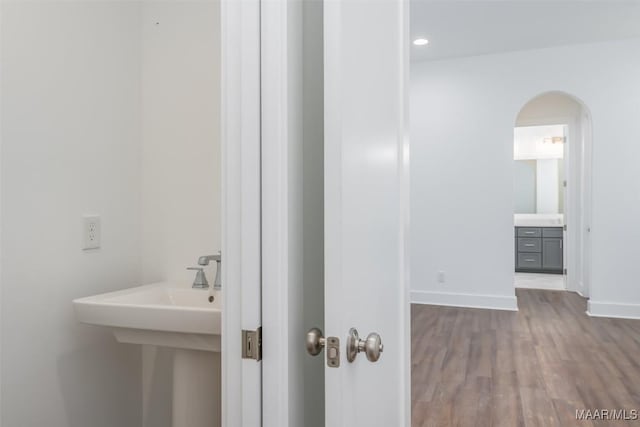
x=421, y=42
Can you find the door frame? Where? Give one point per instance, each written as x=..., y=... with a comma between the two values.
x=569, y=124
x=578, y=177
x=255, y=130
x=241, y=222
x=280, y=292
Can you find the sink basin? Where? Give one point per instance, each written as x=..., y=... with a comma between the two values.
x=176, y=316
x=161, y=314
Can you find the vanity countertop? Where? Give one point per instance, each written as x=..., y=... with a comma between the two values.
x=538, y=220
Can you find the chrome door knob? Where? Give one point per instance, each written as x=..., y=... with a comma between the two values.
x=371, y=346
x=315, y=341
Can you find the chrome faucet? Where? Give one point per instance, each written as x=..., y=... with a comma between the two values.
x=204, y=260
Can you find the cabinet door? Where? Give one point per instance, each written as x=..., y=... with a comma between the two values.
x=552, y=254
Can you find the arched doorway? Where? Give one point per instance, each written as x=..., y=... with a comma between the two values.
x=552, y=193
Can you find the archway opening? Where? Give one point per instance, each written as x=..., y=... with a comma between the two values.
x=552, y=153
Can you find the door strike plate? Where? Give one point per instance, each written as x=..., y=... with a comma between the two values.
x=333, y=352
x=252, y=344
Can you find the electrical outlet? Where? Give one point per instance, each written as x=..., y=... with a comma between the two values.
x=441, y=278
x=91, y=232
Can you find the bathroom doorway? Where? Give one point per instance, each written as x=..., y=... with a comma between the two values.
x=552, y=193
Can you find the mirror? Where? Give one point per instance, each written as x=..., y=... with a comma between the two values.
x=539, y=169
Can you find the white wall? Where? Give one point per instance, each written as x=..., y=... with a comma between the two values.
x=70, y=146
x=546, y=109
x=109, y=108
x=180, y=161
x=452, y=102
x=180, y=137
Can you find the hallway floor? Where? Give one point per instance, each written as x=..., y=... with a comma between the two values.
x=535, y=367
x=555, y=282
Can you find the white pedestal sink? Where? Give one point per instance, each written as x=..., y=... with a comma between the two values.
x=176, y=316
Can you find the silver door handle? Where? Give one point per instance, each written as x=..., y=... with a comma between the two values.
x=372, y=346
x=315, y=341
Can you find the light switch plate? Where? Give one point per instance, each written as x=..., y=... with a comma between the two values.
x=91, y=232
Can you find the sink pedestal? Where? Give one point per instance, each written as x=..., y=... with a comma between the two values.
x=168, y=316
x=196, y=388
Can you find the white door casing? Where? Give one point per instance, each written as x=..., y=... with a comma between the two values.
x=283, y=378
x=241, y=222
x=366, y=208
x=578, y=208
x=587, y=197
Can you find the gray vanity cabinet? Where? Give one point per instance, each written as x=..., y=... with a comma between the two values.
x=552, y=254
x=539, y=249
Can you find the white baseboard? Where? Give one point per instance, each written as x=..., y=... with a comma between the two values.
x=613, y=309
x=580, y=293
x=490, y=302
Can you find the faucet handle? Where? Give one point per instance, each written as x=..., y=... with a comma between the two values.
x=200, y=282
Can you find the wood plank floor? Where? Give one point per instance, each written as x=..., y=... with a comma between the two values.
x=535, y=367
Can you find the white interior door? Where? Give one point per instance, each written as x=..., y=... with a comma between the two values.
x=366, y=208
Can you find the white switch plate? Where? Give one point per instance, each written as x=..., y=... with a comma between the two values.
x=91, y=232
x=441, y=278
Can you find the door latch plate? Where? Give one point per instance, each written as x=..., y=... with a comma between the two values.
x=252, y=344
x=333, y=352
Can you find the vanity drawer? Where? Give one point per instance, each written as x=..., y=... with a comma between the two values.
x=529, y=260
x=552, y=232
x=527, y=244
x=529, y=232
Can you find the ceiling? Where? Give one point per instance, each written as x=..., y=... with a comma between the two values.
x=467, y=28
